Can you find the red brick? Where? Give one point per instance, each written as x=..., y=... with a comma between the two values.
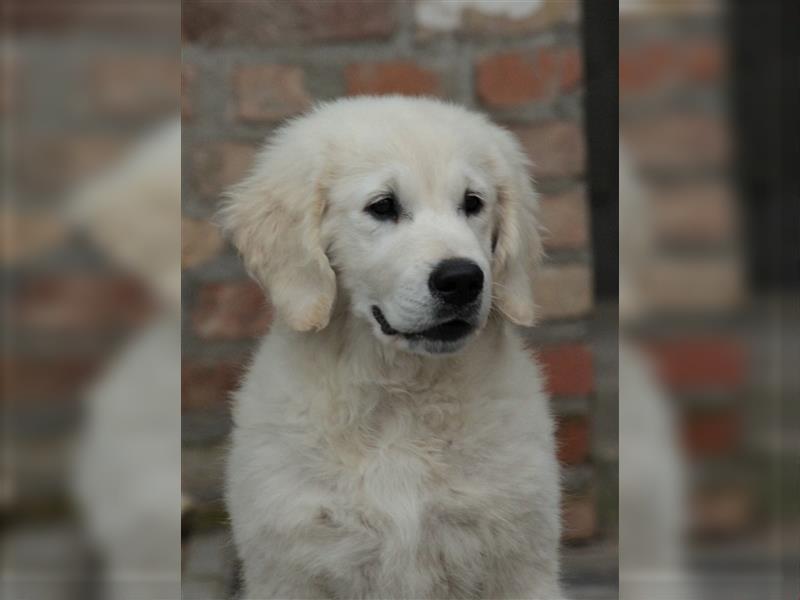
x=712, y=434
x=557, y=148
x=513, y=79
x=695, y=363
x=340, y=20
x=208, y=385
x=704, y=62
x=721, y=511
x=81, y=303
x=135, y=85
x=571, y=69
x=568, y=369
x=219, y=165
x=269, y=92
x=697, y=213
x=694, y=285
x=89, y=155
x=563, y=291
x=298, y=21
x=579, y=519
x=565, y=220
x=231, y=310
x=34, y=233
x=46, y=379
x=573, y=440
x=10, y=76
x=145, y=19
x=394, y=77
x=71, y=160
x=648, y=67
x=200, y=242
x=679, y=141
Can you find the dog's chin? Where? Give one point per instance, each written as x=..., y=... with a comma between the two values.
x=435, y=347
x=447, y=337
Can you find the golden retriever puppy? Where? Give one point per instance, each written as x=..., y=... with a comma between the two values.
x=391, y=437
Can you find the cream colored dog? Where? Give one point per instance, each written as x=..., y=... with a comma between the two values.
x=391, y=437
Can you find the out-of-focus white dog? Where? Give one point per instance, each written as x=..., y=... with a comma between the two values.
x=391, y=437
x=127, y=467
x=652, y=474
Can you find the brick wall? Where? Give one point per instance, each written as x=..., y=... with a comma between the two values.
x=248, y=66
x=675, y=123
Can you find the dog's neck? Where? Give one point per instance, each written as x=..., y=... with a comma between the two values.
x=350, y=378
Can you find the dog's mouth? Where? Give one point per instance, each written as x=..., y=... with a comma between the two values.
x=448, y=331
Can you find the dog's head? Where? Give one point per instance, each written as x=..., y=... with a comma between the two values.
x=420, y=213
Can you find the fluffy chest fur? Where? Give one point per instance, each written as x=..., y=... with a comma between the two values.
x=429, y=479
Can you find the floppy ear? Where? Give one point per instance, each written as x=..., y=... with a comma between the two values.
x=518, y=242
x=273, y=218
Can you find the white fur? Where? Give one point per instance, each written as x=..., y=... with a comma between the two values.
x=128, y=460
x=366, y=465
x=653, y=515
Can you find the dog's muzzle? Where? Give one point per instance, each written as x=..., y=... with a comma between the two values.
x=447, y=331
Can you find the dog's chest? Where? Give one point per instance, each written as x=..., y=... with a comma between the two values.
x=417, y=490
x=408, y=449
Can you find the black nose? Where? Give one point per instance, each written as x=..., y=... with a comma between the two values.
x=456, y=281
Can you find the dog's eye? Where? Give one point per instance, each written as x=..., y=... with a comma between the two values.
x=473, y=204
x=384, y=209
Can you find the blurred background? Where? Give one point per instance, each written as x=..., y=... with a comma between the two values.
x=708, y=299
x=90, y=472
x=248, y=66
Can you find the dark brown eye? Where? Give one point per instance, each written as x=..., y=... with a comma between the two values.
x=384, y=209
x=473, y=204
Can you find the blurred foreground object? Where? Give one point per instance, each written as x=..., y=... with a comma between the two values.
x=128, y=470
x=652, y=474
x=90, y=257
x=695, y=80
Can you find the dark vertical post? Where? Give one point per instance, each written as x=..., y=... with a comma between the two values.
x=765, y=97
x=600, y=30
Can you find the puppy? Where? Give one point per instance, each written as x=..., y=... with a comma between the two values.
x=391, y=437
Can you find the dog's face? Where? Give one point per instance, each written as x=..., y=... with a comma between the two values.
x=420, y=214
x=411, y=243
